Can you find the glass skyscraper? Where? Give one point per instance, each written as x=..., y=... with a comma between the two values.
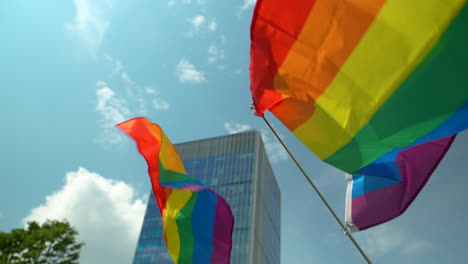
x=237, y=168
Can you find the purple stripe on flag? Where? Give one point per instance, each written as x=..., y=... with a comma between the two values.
x=416, y=165
x=222, y=236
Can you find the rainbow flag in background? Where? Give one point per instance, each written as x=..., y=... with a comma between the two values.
x=375, y=88
x=197, y=222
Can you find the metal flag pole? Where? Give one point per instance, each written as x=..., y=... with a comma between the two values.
x=343, y=227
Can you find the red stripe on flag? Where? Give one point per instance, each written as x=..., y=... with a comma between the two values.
x=276, y=25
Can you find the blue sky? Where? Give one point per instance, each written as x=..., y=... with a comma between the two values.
x=71, y=70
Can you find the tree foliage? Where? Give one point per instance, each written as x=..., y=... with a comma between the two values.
x=53, y=242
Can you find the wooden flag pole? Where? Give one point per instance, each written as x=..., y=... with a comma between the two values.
x=343, y=227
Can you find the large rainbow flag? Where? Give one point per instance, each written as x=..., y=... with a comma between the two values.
x=197, y=222
x=375, y=88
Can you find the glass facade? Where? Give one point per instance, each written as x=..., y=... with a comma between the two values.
x=237, y=168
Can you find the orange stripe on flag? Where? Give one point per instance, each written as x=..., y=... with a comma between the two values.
x=329, y=35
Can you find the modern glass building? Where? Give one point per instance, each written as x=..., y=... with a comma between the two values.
x=236, y=167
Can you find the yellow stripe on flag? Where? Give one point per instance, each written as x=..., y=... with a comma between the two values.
x=175, y=203
x=399, y=38
x=168, y=155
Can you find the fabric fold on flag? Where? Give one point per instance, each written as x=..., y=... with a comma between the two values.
x=364, y=84
x=197, y=222
x=384, y=189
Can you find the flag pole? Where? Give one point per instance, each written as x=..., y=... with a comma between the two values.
x=343, y=227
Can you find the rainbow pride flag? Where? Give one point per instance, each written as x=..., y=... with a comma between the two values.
x=375, y=88
x=197, y=222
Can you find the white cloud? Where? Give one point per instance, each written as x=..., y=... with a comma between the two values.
x=171, y=3
x=119, y=70
x=197, y=22
x=221, y=67
x=105, y=212
x=150, y=90
x=215, y=54
x=416, y=247
x=200, y=2
x=212, y=25
x=274, y=149
x=234, y=127
x=212, y=50
x=382, y=240
x=160, y=104
x=113, y=110
x=124, y=76
x=200, y=24
x=91, y=22
x=212, y=59
x=142, y=109
x=187, y=72
x=117, y=67
x=248, y=4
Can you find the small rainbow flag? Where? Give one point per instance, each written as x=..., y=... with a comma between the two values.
x=197, y=222
x=375, y=88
